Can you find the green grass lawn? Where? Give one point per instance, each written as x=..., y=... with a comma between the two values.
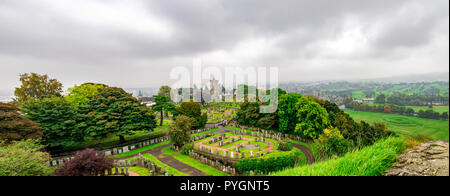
x=440, y=109
x=194, y=163
x=204, y=132
x=407, y=125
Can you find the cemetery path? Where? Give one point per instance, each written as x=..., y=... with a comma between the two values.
x=308, y=153
x=172, y=162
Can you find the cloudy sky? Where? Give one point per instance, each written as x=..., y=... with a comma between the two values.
x=137, y=43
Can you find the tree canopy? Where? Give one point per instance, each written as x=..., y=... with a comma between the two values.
x=38, y=87
x=312, y=118
x=113, y=111
x=79, y=95
x=58, y=118
x=14, y=126
x=192, y=109
x=178, y=130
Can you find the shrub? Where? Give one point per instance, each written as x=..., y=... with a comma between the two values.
x=268, y=163
x=285, y=146
x=186, y=148
x=23, y=158
x=334, y=146
x=86, y=163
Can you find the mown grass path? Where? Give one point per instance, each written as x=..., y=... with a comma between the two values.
x=172, y=162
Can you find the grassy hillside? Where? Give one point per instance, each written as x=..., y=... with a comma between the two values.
x=370, y=161
x=408, y=125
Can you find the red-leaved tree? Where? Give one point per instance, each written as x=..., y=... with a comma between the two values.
x=88, y=162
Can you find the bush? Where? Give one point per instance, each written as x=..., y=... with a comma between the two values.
x=23, y=158
x=268, y=163
x=186, y=148
x=334, y=146
x=86, y=163
x=285, y=146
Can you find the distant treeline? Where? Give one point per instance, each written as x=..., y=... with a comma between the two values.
x=395, y=109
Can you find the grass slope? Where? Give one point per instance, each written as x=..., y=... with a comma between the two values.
x=407, y=125
x=194, y=163
x=370, y=161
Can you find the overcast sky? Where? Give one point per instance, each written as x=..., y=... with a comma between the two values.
x=136, y=43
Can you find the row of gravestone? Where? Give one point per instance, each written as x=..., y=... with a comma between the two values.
x=272, y=134
x=128, y=148
x=213, y=163
x=140, y=161
x=231, y=154
x=114, y=151
x=260, y=135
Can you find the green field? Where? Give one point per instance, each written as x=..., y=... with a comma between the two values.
x=440, y=109
x=407, y=125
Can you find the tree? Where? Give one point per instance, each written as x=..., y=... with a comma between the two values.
x=193, y=110
x=79, y=95
x=165, y=91
x=287, y=112
x=38, y=87
x=14, y=126
x=86, y=163
x=248, y=114
x=312, y=119
x=58, y=118
x=23, y=158
x=113, y=111
x=380, y=99
x=163, y=104
x=179, y=129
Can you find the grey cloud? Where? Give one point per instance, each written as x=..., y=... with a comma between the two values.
x=298, y=30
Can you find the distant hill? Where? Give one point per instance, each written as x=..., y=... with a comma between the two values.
x=427, y=77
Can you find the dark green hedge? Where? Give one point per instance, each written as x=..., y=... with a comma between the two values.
x=269, y=163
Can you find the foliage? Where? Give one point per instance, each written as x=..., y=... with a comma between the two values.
x=35, y=86
x=285, y=146
x=164, y=91
x=287, y=112
x=79, y=95
x=269, y=163
x=58, y=119
x=163, y=104
x=370, y=161
x=23, y=158
x=193, y=110
x=178, y=130
x=187, y=148
x=312, y=119
x=14, y=126
x=113, y=110
x=88, y=162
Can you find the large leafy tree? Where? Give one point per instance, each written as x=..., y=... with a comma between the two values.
x=163, y=105
x=178, y=130
x=248, y=114
x=23, y=158
x=312, y=118
x=58, y=118
x=113, y=111
x=192, y=109
x=86, y=163
x=287, y=112
x=35, y=86
x=79, y=95
x=14, y=126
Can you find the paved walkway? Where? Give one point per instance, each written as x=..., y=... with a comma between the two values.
x=172, y=162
